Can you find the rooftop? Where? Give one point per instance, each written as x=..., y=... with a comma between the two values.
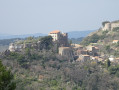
x=56, y=31
x=115, y=40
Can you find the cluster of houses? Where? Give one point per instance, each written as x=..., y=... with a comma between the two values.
x=91, y=53
x=16, y=47
x=86, y=53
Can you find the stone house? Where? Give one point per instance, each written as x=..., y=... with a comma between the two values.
x=115, y=41
x=92, y=50
x=83, y=58
x=60, y=38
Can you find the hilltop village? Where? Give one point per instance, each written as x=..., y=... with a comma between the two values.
x=53, y=62
x=73, y=51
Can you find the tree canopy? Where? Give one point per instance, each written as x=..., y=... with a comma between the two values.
x=6, y=79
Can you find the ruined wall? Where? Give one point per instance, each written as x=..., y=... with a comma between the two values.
x=111, y=25
x=107, y=26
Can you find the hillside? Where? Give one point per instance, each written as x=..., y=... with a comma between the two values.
x=107, y=40
x=42, y=64
x=45, y=69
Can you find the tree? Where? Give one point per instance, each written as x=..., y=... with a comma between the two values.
x=107, y=48
x=46, y=42
x=108, y=63
x=6, y=79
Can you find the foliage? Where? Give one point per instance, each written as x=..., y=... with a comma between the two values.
x=91, y=39
x=6, y=79
x=30, y=38
x=107, y=48
x=44, y=69
x=116, y=29
x=108, y=63
x=76, y=40
x=46, y=43
x=114, y=70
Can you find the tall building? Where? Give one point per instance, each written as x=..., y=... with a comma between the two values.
x=61, y=38
x=55, y=35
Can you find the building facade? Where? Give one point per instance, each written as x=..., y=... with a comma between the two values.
x=60, y=38
x=110, y=25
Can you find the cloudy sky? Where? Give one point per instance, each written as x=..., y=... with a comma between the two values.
x=43, y=16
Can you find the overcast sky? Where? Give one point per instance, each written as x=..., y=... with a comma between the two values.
x=43, y=16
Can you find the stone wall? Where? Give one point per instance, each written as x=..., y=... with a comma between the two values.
x=66, y=51
x=110, y=25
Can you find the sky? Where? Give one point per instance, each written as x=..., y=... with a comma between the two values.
x=42, y=16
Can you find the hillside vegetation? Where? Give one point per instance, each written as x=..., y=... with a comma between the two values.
x=45, y=69
x=104, y=40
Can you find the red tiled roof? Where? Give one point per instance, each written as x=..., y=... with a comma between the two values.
x=56, y=31
x=115, y=40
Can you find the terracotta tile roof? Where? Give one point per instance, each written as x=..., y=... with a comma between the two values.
x=115, y=40
x=56, y=31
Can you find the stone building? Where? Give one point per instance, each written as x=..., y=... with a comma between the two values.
x=66, y=51
x=92, y=50
x=55, y=35
x=111, y=25
x=83, y=58
x=60, y=38
x=12, y=47
x=15, y=47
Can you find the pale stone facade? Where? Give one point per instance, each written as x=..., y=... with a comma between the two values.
x=15, y=47
x=55, y=35
x=61, y=38
x=110, y=25
x=12, y=47
x=107, y=26
x=66, y=51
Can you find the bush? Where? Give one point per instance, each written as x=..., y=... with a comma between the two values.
x=91, y=39
x=116, y=29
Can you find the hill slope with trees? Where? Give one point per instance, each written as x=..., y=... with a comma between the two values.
x=45, y=69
